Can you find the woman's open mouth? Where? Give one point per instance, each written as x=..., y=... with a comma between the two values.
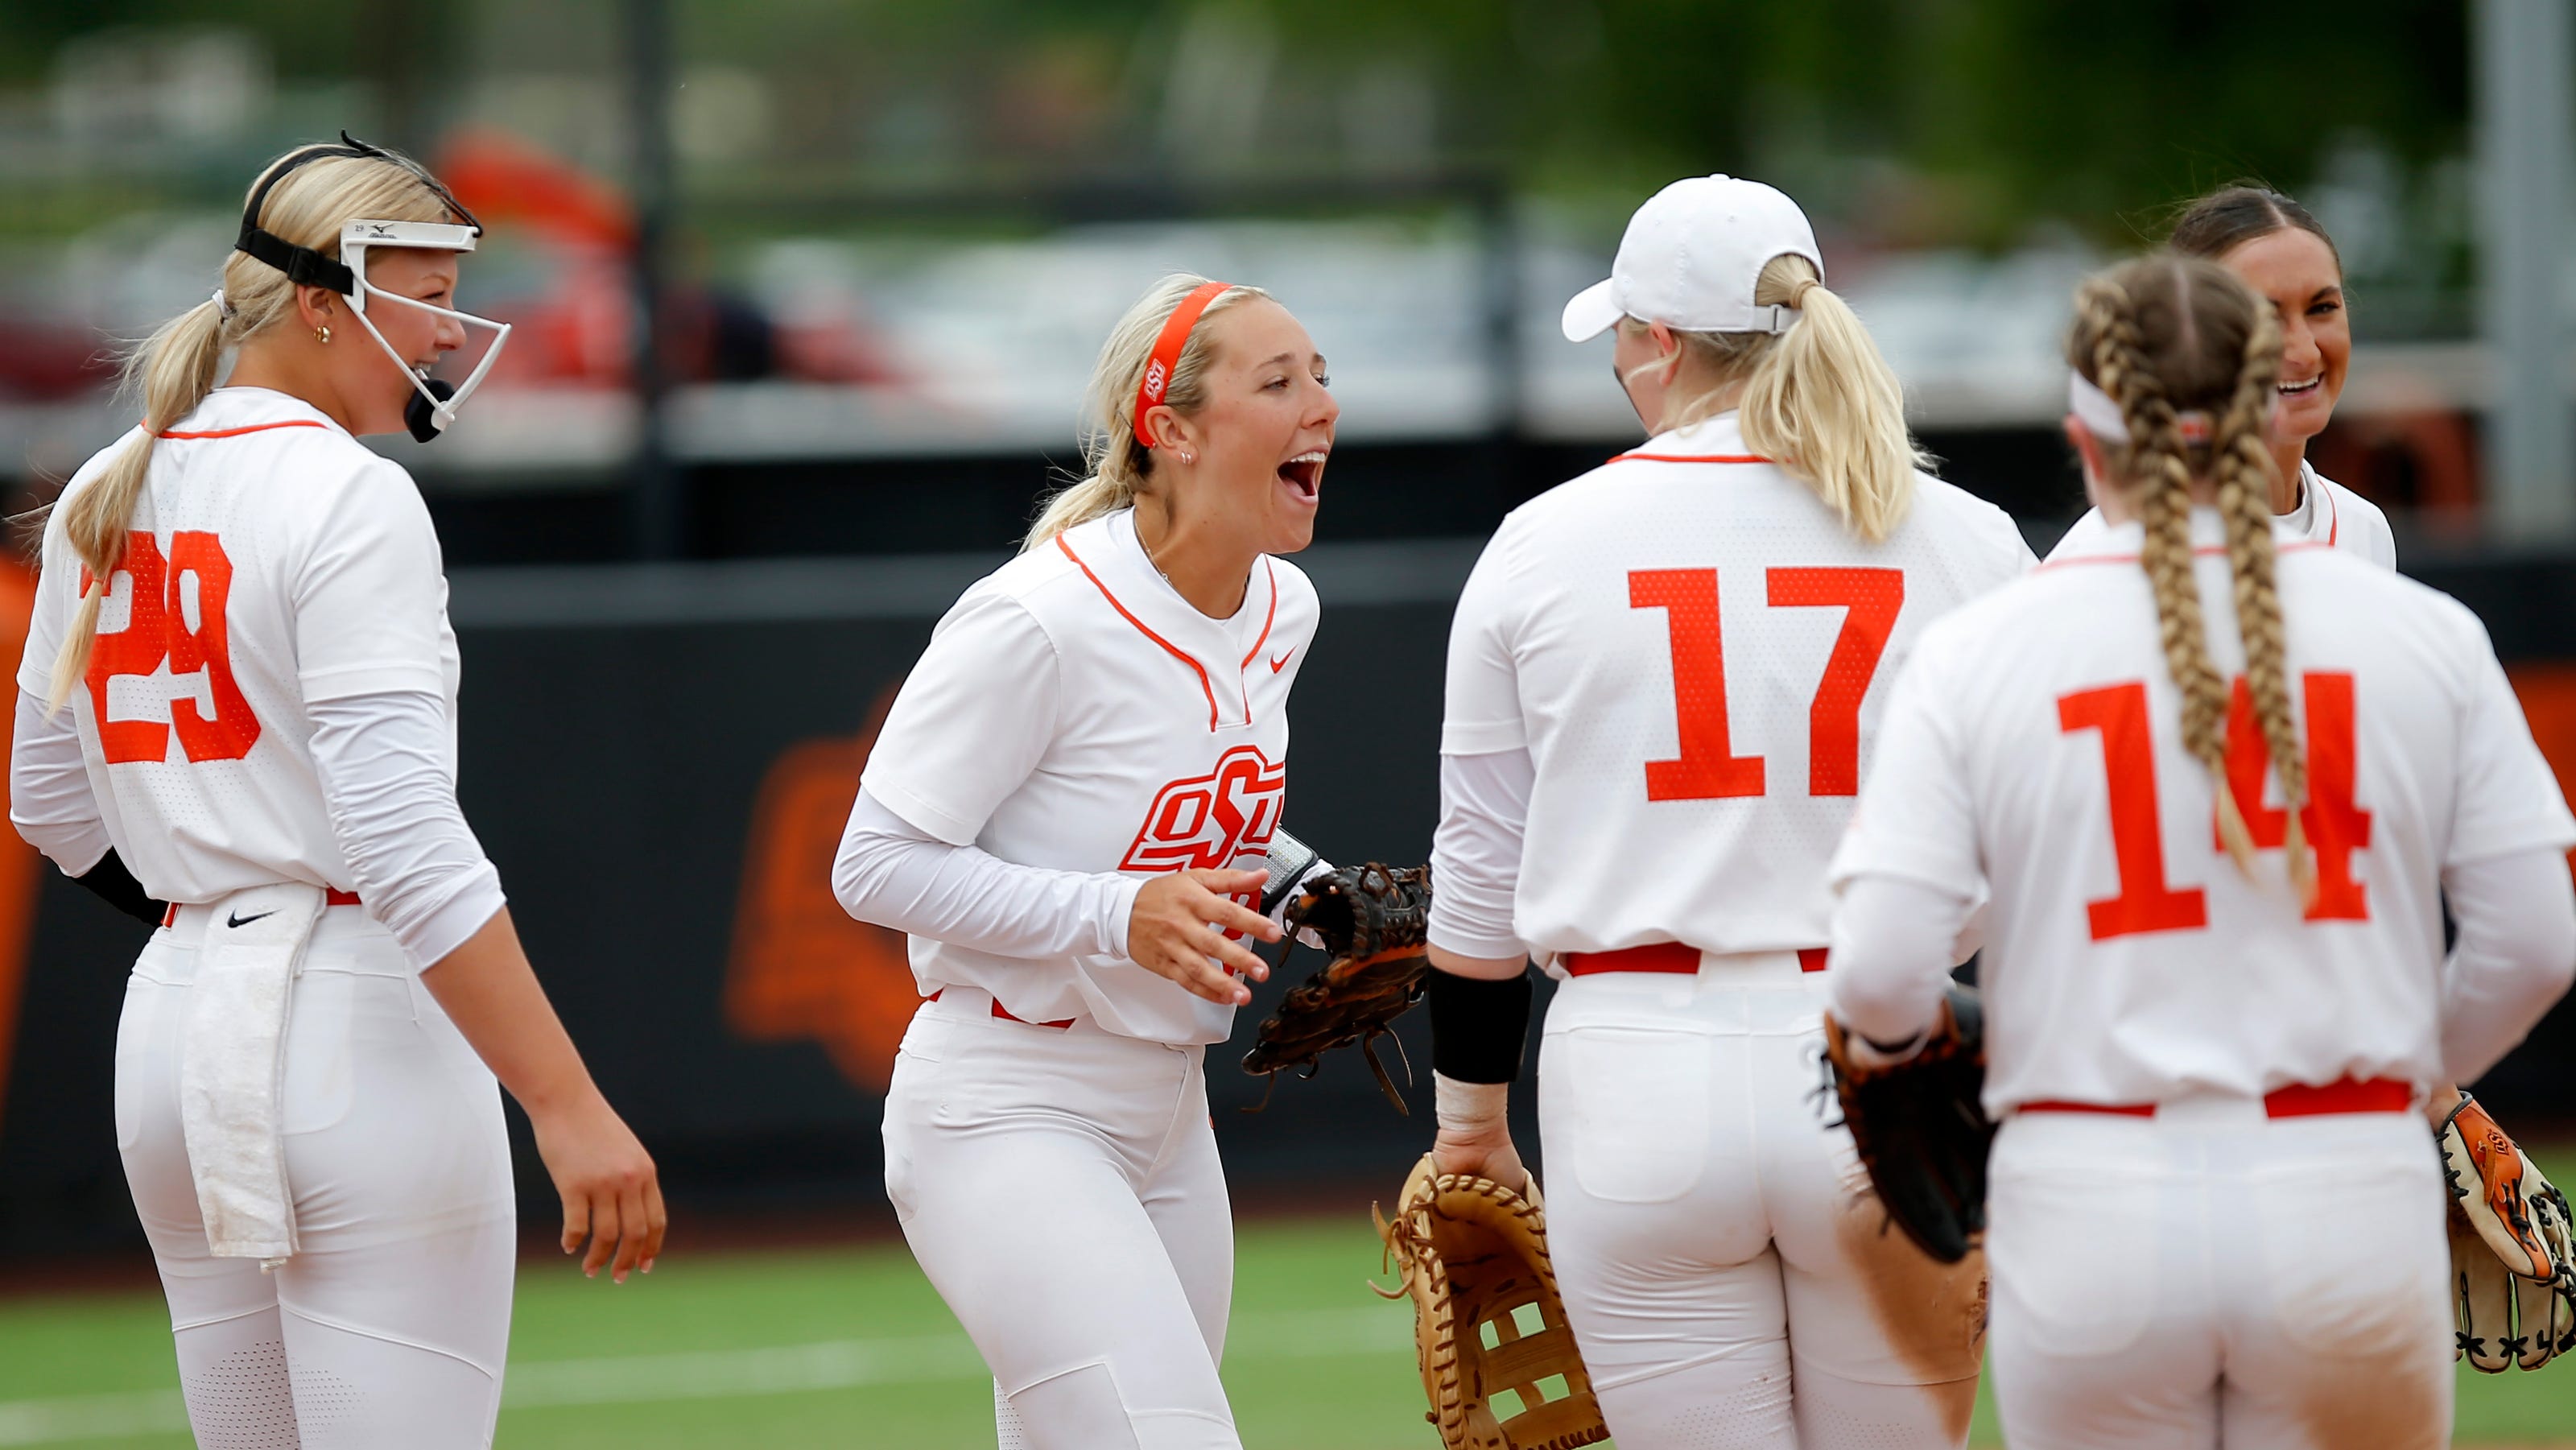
x=2300, y=389
x=1304, y=473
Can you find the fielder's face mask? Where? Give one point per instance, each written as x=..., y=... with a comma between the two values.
x=435, y=401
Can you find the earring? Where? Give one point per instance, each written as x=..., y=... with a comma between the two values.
x=1189, y=458
x=322, y=334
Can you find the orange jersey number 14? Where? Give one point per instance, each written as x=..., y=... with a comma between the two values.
x=2335, y=826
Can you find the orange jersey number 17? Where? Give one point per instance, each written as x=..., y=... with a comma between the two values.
x=1708, y=767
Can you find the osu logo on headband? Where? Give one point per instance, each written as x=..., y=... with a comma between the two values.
x=1212, y=820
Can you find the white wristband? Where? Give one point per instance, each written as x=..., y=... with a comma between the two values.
x=1469, y=1109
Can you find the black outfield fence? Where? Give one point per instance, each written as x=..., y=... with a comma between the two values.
x=660, y=758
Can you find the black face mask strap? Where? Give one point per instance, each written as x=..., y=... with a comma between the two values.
x=302, y=265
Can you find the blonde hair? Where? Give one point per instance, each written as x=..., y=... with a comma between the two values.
x=2164, y=336
x=1119, y=463
x=1818, y=400
x=175, y=367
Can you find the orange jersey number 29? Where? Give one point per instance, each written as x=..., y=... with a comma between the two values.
x=1708, y=767
x=157, y=629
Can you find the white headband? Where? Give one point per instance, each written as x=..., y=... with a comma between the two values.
x=2094, y=409
x=2101, y=417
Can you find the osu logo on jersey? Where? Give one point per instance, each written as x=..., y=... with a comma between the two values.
x=1211, y=820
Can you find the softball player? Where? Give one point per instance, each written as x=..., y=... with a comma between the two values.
x=2284, y=254
x=1069, y=811
x=2212, y=773
x=1664, y=679
x=239, y=697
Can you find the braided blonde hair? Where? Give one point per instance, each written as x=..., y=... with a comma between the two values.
x=2167, y=336
x=1818, y=400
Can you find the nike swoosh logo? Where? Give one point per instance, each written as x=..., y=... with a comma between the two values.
x=238, y=921
x=1277, y=661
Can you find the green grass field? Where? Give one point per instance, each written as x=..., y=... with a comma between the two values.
x=837, y=1347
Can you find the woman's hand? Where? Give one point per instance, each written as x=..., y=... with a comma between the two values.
x=611, y=1194
x=1475, y=1131
x=1177, y=930
x=1484, y=1155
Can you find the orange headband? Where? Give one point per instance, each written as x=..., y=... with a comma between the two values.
x=1167, y=353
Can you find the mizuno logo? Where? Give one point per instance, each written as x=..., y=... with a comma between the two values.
x=241, y=921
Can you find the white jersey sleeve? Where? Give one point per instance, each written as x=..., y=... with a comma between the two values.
x=1483, y=702
x=382, y=760
x=889, y=871
x=2515, y=955
x=2508, y=801
x=50, y=801
x=950, y=753
x=370, y=593
x=1917, y=822
x=1476, y=853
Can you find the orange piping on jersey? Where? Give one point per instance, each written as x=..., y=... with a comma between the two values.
x=2334, y=516
x=1169, y=648
x=237, y=432
x=1268, y=619
x=1690, y=458
x=2205, y=551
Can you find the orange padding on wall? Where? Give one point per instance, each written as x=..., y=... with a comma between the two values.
x=2548, y=693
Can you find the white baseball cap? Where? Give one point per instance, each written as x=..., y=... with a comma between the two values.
x=1691, y=258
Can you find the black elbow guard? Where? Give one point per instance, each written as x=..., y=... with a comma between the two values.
x=110, y=882
x=1477, y=1026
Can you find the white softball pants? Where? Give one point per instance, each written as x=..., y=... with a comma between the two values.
x=1060, y=1187
x=2210, y=1276
x=1727, y=1275
x=388, y=1328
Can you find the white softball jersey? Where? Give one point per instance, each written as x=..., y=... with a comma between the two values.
x=2328, y=514
x=275, y=564
x=1695, y=652
x=1074, y=712
x=2034, y=749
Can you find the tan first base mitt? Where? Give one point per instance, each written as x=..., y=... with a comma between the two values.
x=1471, y=1253
x=2513, y=1248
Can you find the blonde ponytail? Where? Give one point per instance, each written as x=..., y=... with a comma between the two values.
x=173, y=369
x=1827, y=406
x=180, y=362
x=1119, y=464
x=2164, y=336
x=1818, y=400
